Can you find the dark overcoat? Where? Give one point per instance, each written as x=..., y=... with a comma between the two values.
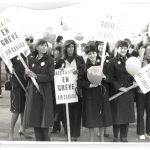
x=39, y=105
x=123, y=106
x=96, y=109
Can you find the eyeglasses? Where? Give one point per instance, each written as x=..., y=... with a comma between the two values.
x=29, y=40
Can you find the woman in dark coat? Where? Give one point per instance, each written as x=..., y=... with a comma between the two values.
x=39, y=104
x=122, y=106
x=96, y=109
x=75, y=109
x=17, y=96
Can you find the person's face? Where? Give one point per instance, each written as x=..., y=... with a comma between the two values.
x=29, y=42
x=42, y=48
x=70, y=50
x=147, y=52
x=92, y=56
x=61, y=42
x=122, y=51
x=57, y=54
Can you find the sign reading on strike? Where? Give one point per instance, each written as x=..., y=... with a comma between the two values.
x=108, y=28
x=11, y=42
x=143, y=79
x=65, y=85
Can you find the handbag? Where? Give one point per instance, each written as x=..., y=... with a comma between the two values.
x=7, y=85
x=79, y=91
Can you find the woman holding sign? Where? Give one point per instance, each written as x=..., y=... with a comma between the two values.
x=143, y=103
x=75, y=109
x=39, y=104
x=122, y=106
x=17, y=96
x=96, y=109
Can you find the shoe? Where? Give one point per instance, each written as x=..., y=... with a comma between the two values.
x=21, y=133
x=74, y=139
x=123, y=139
x=55, y=130
x=147, y=136
x=115, y=139
x=56, y=127
x=141, y=137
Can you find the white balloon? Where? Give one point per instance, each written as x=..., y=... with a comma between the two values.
x=49, y=35
x=94, y=74
x=133, y=65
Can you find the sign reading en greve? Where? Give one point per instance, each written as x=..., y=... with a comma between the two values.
x=65, y=85
x=11, y=41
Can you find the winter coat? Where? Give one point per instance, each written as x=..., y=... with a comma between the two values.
x=123, y=106
x=39, y=105
x=96, y=109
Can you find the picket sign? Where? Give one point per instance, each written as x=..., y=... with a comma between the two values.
x=103, y=57
x=9, y=64
x=12, y=42
x=120, y=93
x=66, y=79
x=19, y=82
x=26, y=67
x=108, y=28
x=68, y=122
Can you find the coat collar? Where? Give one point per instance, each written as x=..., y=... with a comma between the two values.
x=120, y=58
x=89, y=63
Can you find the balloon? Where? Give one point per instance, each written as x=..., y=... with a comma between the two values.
x=49, y=35
x=79, y=36
x=65, y=26
x=133, y=65
x=94, y=74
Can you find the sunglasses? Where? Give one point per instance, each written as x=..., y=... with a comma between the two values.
x=29, y=40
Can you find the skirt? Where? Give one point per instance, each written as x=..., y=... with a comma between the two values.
x=17, y=100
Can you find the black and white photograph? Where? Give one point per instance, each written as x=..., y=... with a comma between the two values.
x=75, y=72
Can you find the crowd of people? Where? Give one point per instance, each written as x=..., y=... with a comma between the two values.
x=37, y=106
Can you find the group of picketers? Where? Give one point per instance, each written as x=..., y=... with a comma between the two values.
x=38, y=108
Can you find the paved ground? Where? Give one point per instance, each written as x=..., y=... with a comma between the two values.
x=58, y=137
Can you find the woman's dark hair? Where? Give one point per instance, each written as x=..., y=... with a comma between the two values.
x=59, y=38
x=128, y=41
x=121, y=43
x=90, y=48
x=39, y=42
x=65, y=47
x=59, y=49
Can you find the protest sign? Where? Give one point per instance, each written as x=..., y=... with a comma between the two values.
x=65, y=84
x=12, y=43
x=143, y=79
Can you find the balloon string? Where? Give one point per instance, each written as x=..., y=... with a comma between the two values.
x=103, y=93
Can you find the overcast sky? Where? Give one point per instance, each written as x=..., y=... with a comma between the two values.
x=134, y=14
